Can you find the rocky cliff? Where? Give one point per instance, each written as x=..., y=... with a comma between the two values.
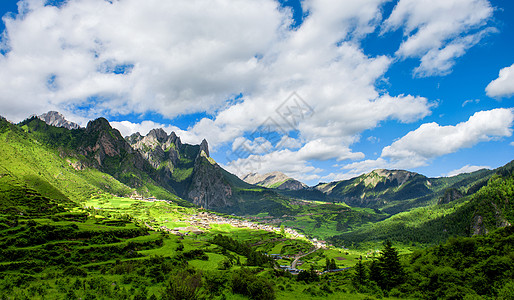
x=209, y=189
x=57, y=119
x=193, y=174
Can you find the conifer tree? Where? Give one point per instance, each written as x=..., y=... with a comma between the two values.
x=391, y=271
x=360, y=275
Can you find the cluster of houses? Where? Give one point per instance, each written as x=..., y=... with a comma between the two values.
x=205, y=219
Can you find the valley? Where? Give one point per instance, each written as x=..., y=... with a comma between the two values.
x=86, y=213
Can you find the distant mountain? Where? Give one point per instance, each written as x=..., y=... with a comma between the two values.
x=470, y=204
x=395, y=191
x=57, y=119
x=277, y=180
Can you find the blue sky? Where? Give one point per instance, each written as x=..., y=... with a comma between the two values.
x=321, y=90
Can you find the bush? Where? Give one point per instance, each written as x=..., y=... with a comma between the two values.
x=74, y=271
x=244, y=282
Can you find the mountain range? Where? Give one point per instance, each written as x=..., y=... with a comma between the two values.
x=47, y=157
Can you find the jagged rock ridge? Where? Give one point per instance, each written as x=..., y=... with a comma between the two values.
x=56, y=119
x=189, y=168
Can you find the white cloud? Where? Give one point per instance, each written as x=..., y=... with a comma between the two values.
x=183, y=56
x=431, y=140
x=290, y=164
x=466, y=169
x=97, y=58
x=470, y=101
x=438, y=31
x=503, y=86
x=127, y=128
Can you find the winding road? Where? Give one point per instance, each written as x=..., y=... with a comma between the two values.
x=295, y=261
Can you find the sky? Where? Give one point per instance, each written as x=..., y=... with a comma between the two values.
x=321, y=90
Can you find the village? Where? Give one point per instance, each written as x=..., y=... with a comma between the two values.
x=204, y=220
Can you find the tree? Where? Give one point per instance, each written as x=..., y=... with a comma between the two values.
x=360, y=276
x=387, y=271
x=246, y=283
x=330, y=264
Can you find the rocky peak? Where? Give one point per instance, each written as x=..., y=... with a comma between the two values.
x=159, y=134
x=208, y=187
x=134, y=138
x=57, y=119
x=376, y=176
x=98, y=125
x=178, y=143
x=204, y=147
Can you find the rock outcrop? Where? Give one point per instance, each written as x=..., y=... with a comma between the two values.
x=208, y=186
x=57, y=119
x=102, y=142
x=194, y=175
x=450, y=195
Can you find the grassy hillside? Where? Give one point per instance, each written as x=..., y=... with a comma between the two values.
x=393, y=191
x=483, y=211
x=29, y=164
x=87, y=152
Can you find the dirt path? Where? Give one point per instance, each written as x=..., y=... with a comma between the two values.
x=295, y=261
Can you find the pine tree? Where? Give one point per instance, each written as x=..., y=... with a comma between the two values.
x=360, y=275
x=391, y=271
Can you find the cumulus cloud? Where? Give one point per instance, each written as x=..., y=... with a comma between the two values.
x=438, y=31
x=237, y=60
x=432, y=140
x=503, y=86
x=466, y=169
x=118, y=57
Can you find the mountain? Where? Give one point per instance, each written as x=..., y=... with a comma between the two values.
x=188, y=168
x=57, y=119
x=100, y=147
x=474, y=208
x=196, y=177
x=395, y=191
x=277, y=180
x=35, y=178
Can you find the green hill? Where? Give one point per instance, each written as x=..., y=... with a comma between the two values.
x=477, y=213
x=30, y=165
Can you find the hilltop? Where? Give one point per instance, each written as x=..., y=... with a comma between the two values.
x=277, y=180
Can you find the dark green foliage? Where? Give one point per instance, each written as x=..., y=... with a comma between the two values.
x=481, y=265
x=361, y=273
x=254, y=258
x=308, y=276
x=74, y=271
x=246, y=283
x=387, y=271
x=193, y=254
x=183, y=285
x=330, y=264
